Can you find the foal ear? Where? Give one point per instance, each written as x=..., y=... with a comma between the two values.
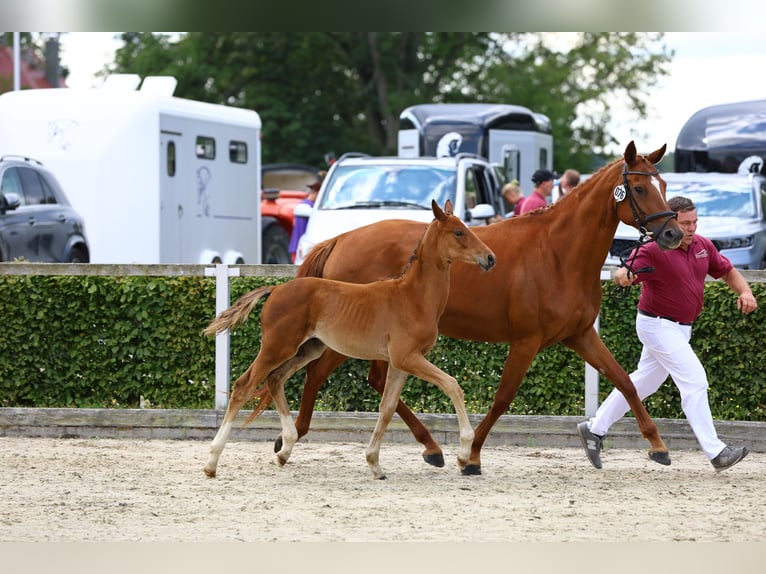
x=438, y=213
x=448, y=207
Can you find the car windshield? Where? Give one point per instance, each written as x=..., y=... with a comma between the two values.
x=729, y=199
x=389, y=186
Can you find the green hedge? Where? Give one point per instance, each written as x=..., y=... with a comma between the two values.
x=95, y=341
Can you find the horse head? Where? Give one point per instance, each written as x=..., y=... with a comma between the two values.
x=457, y=241
x=640, y=198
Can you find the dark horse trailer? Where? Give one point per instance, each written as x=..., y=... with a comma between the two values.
x=720, y=138
x=513, y=137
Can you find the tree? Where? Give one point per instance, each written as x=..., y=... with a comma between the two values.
x=576, y=84
x=318, y=92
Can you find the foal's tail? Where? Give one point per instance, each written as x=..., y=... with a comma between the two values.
x=238, y=312
x=313, y=265
x=264, y=400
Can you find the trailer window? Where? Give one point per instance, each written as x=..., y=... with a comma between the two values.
x=237, y=152
x=171, y=167
x=205, y=147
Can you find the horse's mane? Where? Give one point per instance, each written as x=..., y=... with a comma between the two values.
x=578, y=189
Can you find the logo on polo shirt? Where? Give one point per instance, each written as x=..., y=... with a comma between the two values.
x=701, y=253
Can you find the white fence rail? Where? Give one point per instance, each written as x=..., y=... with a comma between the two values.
x=223, y=274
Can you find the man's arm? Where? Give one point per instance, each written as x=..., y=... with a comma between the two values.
x=746, y=302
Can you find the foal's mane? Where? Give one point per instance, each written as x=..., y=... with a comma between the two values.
x=415, y=252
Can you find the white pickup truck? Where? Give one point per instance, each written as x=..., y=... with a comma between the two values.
x=361, y=189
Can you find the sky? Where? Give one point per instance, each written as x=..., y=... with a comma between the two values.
x=708, y=68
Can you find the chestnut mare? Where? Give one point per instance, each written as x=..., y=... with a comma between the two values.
x=548, y=289
x=394, y=321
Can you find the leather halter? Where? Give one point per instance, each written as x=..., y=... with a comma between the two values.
x=641, y=219
x=641, y=222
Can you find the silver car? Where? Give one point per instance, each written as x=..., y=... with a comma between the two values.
x=730, y=209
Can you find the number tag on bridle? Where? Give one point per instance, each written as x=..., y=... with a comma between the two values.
x=619, y=193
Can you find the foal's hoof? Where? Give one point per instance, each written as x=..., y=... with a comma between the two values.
x=434, y=459
x=471, y=470
x=660, y=457
x=278, y=444
x=209, y=473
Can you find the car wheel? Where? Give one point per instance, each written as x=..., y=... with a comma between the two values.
x=276, y=242
x=77, y=256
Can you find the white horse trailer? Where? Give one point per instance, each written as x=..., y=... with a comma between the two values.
x=158, y=179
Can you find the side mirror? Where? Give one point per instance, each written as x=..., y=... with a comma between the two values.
x=10, y=201
x=482, y=211
x=303, y=210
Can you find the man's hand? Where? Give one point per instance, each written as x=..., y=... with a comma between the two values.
x=623, y=277
x=746, y=302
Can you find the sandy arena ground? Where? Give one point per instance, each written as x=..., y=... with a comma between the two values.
x=107, y=490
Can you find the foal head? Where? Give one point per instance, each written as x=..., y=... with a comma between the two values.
x=454, y=240
x=640, y=198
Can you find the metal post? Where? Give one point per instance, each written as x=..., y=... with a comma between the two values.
x=222, y=366
x=591, y=385
x=16, y=61
x=591, y=374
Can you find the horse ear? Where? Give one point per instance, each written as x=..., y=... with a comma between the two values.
x=657, y=155
x=438, y=213
x=448, y=209
x=630, y=153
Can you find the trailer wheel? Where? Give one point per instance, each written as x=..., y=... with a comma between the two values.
x=276, y=242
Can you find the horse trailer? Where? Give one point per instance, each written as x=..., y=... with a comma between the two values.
x=726, y=138
x=157, y=178
x=513, y=137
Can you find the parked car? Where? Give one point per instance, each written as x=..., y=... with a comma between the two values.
x=731, y=213
x=361, y=189
x=285, y=185
x=37, y=222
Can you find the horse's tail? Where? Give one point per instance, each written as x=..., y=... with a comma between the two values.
x=313, y=265
x=238, y=312
x=264, y=400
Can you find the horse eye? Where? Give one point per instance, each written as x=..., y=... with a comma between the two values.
x=458, y=233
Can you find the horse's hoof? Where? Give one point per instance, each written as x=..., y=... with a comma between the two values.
x=209, y=473
x=471, y=470
x=660, y=457
x=434, y=459
x=382, y=477
x=278, y=444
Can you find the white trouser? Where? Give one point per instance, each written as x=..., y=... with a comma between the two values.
x=666, y=352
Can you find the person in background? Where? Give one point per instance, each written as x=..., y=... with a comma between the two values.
x=671, y=298
x=543, y=180
x=300, y=223
x=513, y=199
x=569, y=179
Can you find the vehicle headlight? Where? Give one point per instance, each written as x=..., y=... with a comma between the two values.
x=734, y=242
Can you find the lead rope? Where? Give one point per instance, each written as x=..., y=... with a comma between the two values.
x=627, y=262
